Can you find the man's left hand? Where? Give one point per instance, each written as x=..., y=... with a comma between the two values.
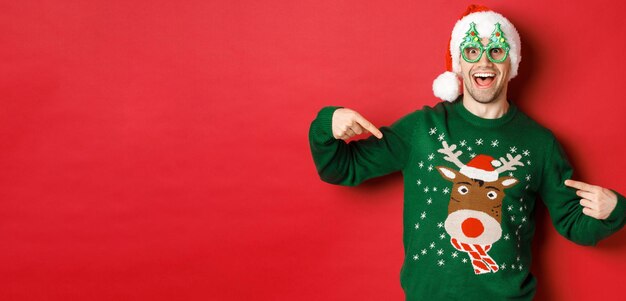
x=597, y=202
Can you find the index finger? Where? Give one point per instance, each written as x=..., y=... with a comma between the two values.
x=579, y=185
x=369, y=126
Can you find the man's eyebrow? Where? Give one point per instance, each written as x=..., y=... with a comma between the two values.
x=496, y=188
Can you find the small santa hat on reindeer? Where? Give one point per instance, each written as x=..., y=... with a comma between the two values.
x=447, y=86
x=481, y=168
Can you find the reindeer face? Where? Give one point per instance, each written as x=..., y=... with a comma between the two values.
x=475, y=208
x=475, y=194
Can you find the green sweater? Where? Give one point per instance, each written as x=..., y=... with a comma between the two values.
x=468, y=216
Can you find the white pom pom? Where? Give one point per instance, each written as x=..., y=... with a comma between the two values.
x=446, y=86
x=496, y=163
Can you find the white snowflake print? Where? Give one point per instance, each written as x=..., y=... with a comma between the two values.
x=464, y=260
x=421, y=164
x=520, y=266
x=455, y=254
x=431, y=156
x=479, y=141
x=432, y=245
x=441, y=262
x=507, y=237
x=521, y=200
x=440, y=252
x=526, y=153
x=513, y=266
x=510, y=208
x=469, y=148
x=513, y=149
x=416, y=257
x=527, y=177
x=494, y=143
x=429, y=201
x=435, y=189
x=503, y=266
x=440, y=225
x=426, y=189
x=518, y=259
x=442, y=236
x=430, y=167
x=523, y=219
x=432, y=131
x=463, y=143
x=419, y=182
x=440, y=137
x=417, y=226
x=424, y=251
x=527, y=186
x=510, y=174
x=512, y=218
x=446, y=190
x=423, y=215
x=521, y=208
x=472, y=155
x=528, y=162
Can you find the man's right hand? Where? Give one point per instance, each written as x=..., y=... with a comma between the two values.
x=348, y=123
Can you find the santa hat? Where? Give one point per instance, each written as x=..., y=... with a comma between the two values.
x=447, y=86
x=481, y=168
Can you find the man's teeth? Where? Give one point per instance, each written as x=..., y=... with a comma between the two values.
x=484, y=74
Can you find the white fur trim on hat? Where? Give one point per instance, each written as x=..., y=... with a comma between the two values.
x=479, y=174
x=485, y=24
x=447, y=86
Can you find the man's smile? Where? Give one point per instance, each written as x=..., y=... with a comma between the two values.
x=484, y=80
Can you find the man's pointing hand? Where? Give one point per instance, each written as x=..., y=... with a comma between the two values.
x=597, y=202
x=348, y=123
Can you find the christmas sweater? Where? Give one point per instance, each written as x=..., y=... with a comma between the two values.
x=470, y=186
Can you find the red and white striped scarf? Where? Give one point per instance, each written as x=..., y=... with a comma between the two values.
x=481, y=261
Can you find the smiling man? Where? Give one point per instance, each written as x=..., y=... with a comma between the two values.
x=487, y=81
x=473, y=167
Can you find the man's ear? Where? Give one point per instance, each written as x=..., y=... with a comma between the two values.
x=447, y=173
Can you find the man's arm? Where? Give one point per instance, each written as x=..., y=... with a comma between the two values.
x=571, y=216
x=351, y=163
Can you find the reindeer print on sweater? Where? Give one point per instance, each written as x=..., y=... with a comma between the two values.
x=474, y=212
x=477, y=185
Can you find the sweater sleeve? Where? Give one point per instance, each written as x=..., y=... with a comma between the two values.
x=349, y=164
x=564, y=207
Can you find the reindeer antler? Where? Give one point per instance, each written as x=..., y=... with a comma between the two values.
x=450, y=154
x=510, y=165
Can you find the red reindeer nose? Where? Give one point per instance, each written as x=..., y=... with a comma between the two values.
x=472, y=227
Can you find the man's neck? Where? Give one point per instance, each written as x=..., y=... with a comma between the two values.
x=490, y=110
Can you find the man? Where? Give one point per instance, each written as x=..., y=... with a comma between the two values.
x=473, y=167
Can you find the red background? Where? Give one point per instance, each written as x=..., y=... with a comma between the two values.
x=154, y=150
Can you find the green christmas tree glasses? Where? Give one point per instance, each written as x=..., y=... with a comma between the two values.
x=472, y=49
